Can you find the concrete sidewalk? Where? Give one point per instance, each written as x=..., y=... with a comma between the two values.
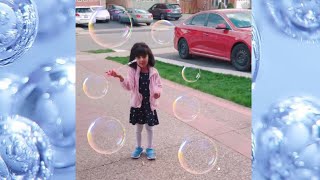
x=226, y=123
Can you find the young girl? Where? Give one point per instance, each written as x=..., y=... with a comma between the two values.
x=144, y=82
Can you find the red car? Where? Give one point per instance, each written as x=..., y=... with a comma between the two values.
x=223, y=34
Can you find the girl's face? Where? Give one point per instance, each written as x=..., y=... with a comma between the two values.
x=142, y=61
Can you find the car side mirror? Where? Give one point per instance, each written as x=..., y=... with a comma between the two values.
x=222, y=26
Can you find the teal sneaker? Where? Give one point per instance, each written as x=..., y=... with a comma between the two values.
x=137, y=153
x=151, y=155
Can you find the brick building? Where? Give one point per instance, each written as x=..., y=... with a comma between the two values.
x=90, y=3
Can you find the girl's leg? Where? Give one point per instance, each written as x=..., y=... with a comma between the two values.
x=139, y=128
x=150, y=135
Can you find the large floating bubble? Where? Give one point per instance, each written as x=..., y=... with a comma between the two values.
x=299, y=19
x=287, y=145
x=106, y=135
x=25, y=151
x=18, y=28
x=48, y=98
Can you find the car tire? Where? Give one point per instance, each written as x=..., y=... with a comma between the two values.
x=148, y=24
x=176, y=19
x=183, y=49
x=107, y=20
x=162, y=17
x=241, y=57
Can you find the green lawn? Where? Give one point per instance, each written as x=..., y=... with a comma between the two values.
x=229, y=87
x=99, y=51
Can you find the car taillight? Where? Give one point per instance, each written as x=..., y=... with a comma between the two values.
x=168, y=10
x=138, y=16
x=77, y=14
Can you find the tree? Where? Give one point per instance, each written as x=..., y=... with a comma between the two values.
x=230, y=6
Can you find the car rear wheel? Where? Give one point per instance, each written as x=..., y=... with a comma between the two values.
x=183, y=49
x=148, y=24
x=240, y=57
x=176, y=18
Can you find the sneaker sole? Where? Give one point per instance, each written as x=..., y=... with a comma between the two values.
x=136, y=157
x=151, y=158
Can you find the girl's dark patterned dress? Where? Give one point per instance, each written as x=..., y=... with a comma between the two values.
x=144, y=114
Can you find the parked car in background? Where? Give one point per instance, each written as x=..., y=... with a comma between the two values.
x=115, y=11
x=102, y=13
x=137, y=16
x=83, y=15
x=166, y=11
x=223, y=34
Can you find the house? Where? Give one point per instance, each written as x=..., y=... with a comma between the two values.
x=90, y=3
x=194, y=6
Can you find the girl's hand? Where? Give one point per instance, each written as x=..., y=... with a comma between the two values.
x=112, y=73
x=156, y=95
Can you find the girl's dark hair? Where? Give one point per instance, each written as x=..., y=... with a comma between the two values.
x=141, y=50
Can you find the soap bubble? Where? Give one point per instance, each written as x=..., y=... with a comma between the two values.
x=48, y=98
x=288, y=142
x=9, y=86
x=198, y=155
x=299, y=19
x=25, y=151
x=55, y=16
x=162, y=32
x=18, y=29
x=106, y=135
x=255, y=63
x=112, y=35
x=190, y=74
x=95, y=86
x=186, y=108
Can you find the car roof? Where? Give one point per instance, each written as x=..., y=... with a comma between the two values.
x=227, y=10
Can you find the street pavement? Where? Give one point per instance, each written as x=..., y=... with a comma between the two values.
x=227, y=124
x=112, y=35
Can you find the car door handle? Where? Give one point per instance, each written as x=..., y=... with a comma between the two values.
x=206, y=34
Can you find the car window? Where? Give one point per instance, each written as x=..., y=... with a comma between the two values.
x=83, y=10
x=188, y=21
x=154, y=6
x=141, y=11
x=157, y=6
x=240, y=19
x=163, y=6
x=198, y=20
x=173, y=6
x=214, y=20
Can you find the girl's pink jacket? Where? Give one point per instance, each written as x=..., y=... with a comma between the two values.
x=131, y=83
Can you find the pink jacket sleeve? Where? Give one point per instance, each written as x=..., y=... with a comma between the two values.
x=128, y=82
x=158, y=84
